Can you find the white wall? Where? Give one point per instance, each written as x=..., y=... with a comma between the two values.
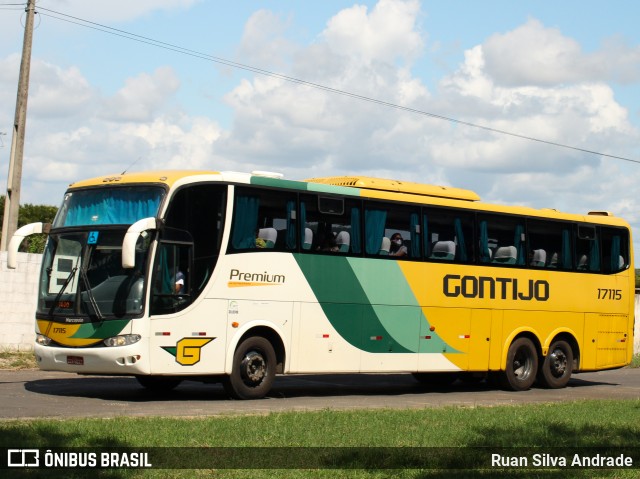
x=18, y=292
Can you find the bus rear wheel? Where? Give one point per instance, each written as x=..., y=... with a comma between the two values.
x=522, y=366
x=253, y=370
x=555, y=370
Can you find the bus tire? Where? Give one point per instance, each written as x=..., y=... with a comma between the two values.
x=522, y=366
x=158, y=383
x=555, y=370
x=253, y=370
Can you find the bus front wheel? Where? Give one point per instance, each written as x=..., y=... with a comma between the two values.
x=555, y=370
x=253, y=370
x=522, y=365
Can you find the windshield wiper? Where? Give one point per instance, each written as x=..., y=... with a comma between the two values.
x=64, y=286
x=90, y=296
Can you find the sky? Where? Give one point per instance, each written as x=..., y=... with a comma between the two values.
x=560, y=72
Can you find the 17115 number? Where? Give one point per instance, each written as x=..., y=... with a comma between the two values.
x=612, y=294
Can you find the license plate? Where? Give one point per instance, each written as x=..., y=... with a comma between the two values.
x=75, y=360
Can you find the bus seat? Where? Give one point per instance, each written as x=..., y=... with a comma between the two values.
x=621, y=262
x=505, y=255
x=553, y=263
x=342, y=241
x=539, y=258
x=269, y=235
x=308, y=239
x=582, y=264
x=444, y=250
x=385, y=247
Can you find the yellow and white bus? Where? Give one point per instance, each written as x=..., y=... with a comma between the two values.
x=234, y=277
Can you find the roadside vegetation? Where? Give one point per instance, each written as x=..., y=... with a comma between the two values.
x=11, y=359
x=336, y=442
x=29, y=213
x=469, y=434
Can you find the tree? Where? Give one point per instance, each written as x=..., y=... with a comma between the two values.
x=29, y=213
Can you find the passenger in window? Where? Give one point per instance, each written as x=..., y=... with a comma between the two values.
x=329, y=244
x=179, y=283
x=398, y=248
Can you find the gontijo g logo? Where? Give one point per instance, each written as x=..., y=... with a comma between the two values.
x=187, y=351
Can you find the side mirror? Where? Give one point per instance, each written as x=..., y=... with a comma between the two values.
x=19, y=236
x=131, y=238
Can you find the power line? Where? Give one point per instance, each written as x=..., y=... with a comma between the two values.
x=204, y=56
x=13, y=6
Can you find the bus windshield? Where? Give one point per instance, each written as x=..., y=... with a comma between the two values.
x=118, y=205
x=82, y=276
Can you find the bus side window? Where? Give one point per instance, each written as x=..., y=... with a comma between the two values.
x=391, y=231
x=448, y=235
x=549, y=244
x=330, y=225
x=502, y=240
x=199, y=209
x=615, y=249
x=171, y=286
x=264, y=220
x=587, y=249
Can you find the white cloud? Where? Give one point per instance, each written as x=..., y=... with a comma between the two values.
x=533, y=54
x=100, y=148
x=385, y=34
x=296, y=127
x=167, y=142
x=74, y=132
x=263, y=43
x=56, y=92
x=142, y=97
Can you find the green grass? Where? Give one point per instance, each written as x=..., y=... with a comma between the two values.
x=12, y=359
x=597, y=424
x=574, y=424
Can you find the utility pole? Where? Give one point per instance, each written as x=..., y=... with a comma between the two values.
x=12, y=199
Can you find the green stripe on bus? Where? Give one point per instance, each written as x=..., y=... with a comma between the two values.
x=278, y=183
x=103, y=330
x=336, y=190
x=304, y=186
x=392, y=325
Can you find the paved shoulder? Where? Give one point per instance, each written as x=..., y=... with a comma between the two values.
x=33, y=393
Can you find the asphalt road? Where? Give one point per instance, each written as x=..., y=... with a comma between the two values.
x=33, y=394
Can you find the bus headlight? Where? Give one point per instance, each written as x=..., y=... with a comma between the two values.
x=43, y=340
x=124, y=340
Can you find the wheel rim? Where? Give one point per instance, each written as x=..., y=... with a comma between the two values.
x=558, y=363
x=522, y=364
x=253, y=368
